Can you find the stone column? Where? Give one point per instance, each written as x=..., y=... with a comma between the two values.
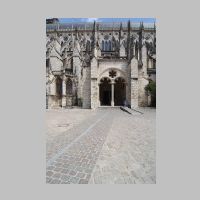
x=63, y=93
x=143, y=79
x=134, y=83
x=53, y=87
x=112, y=94
x=99, y=103
x=144, y=59
x=94, y=84
x=134, y=50
x=52, y=92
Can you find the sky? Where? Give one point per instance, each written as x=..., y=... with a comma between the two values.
x=145, y=20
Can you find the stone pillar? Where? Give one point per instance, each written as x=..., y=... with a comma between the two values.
x=112, y=94
x=134, y=83
x=149, y=99
x=63, y=93
x=134, y=92
x=150, y=63
x=99, y=103
x=77, y=68
x=143, y=79
x=52, y=92
x=144, y=59
x=53, y=86
x=122, y=51
x=94, y=84
x=86, y=88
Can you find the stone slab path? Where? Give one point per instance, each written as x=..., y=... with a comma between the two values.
x=106, y=146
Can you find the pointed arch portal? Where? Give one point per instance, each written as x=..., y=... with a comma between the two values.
x=105, y=92
x=112, y=93
x=120, y=92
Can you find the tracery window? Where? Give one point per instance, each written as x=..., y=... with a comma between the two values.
x=102, y=45
x=106, y=46
x=109, y=46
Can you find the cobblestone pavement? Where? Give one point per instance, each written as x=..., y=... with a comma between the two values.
x=107, y=146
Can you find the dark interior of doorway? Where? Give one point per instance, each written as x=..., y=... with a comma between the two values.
x=105, y=92
x=106, y=99
x=119, y=92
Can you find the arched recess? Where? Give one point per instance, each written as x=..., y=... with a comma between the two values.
x=59, y=91
x=105, y=91
x=69, y=87
x=119, y=91
x=58, y=87
x=102, y=45
x=109, y=46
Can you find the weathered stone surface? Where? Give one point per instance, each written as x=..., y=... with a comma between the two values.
x=86, y=56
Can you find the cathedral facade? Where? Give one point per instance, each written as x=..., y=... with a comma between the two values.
x=99, y=64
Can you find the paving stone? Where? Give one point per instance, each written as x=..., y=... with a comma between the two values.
x=56, y=175
x=65, y=177
x=83, y=181
x=48, y=180
x=55, y=181
x=49, y=173
x=74, y=180
x=72, y=173
x=58, y=169
x=81, y=175
x=65, y=171
x=121, y=145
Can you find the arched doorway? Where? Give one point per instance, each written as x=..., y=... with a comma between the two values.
x=105, y=92
x=119, y=91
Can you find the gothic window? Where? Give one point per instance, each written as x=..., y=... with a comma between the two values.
x=106, y=46
x=58, y=86
x=109, y=46
x=102, y=47
x=88, y=46
x=69, y=87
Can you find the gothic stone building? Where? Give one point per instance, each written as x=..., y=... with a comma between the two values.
x=99, y=64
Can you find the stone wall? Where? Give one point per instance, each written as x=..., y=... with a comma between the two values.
x=86, y=56
x=86, y=87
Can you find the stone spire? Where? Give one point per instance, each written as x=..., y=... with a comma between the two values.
x=94, y=41
x=120, y=31
x=140, y=43
x=129, y=40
